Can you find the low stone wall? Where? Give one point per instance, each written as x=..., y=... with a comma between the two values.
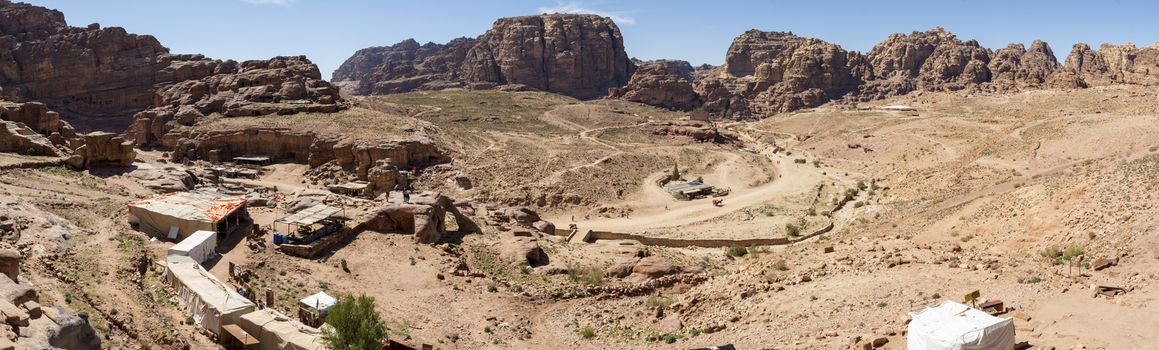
x=317, y=246
x=681, y=243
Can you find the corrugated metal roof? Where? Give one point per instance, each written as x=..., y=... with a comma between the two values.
x=310, y=215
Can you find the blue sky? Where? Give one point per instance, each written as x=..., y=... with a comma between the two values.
x=329, y=31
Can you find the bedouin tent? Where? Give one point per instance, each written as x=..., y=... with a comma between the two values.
x=276, y=331
x=211, y=303
x=200, y=246
x=953, y=326
x=187, y=212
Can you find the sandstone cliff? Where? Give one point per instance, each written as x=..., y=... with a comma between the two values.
x=576, y=55
x=1114, y=64
x=97, y=78
x=661, y=83
x=771, y=72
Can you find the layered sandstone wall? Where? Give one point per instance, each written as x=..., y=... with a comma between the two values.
x=97, y=78
x=660, y=83
x=575, y=55
x=328, y=156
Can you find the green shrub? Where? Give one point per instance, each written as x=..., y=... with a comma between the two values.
x=354, y=324
x=781, y=265
x=736, y=251
x=669, y=338
x=793, y=231
x=585, y=275
x=587, y=332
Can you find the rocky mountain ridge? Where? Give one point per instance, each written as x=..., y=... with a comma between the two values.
x=772, y=72
x=576, y=55
x=764, y=72
x=97, y=78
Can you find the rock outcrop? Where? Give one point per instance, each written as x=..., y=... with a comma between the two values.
x=661, y=83
x=98, y=77
x=17, y=138
x=1016, y=65
x=101, y=149
x=516, y=218
x=424, y=216
x=402, y=67
x=28, y=325
x=1114, y=64
x=771, y=72
x=333, y=159
x=575, y=55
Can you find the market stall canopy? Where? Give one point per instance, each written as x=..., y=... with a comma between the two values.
x=320, y=301
x=310, y=216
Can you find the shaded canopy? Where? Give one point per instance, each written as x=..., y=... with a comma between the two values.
x=310, y=216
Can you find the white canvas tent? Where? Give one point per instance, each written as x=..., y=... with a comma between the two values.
x=200, y=246
x=183, y=212
x=211, y=303
x=318, y=302
x=276, y=331
x=953, y=326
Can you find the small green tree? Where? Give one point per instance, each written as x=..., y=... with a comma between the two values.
x=675, y=173
x=354, y=325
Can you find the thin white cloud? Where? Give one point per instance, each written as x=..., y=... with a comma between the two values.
x=577, y=7
x=270, y=2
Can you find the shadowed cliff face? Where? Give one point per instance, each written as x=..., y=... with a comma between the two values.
x=97, y=78
x=575, y=55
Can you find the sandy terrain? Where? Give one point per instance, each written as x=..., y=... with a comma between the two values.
x=971, y=192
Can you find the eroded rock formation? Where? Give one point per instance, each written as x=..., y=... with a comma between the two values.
x=1016, y=65
x=98, y=77
x=101, y=149
x=332, y=158
x=575, y=55
x=17, y=138
x=424, y=216
x=661, y=83
x=1114, y=64
x=771, y=72
x=28, y=325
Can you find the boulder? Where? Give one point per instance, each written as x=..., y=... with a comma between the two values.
x=544, y=227
x=18, y=138
x=522, y=249
x=655, y=266
x=671, y=324
x=10, y=263
x=620, y=270
x=164, y=179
